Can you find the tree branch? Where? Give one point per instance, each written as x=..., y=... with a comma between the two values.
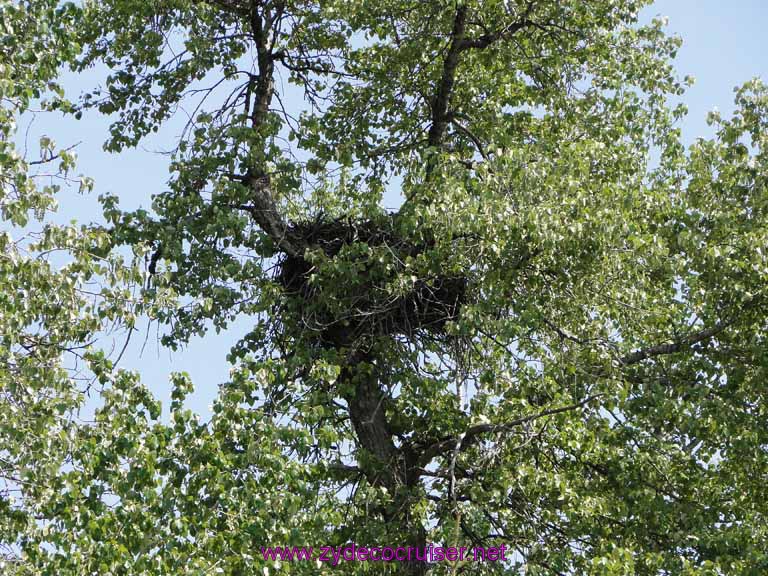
x=447, y=80
x=473, y=433
x=487, y=39
x=263, y=208
x=265, y=213
x=458, y=44
x=676, y=345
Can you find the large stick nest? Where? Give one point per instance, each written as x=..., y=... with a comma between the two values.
x=368, y=308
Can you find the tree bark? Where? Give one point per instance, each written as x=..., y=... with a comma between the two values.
x=384, y=463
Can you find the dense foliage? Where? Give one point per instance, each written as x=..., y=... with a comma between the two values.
x=556, y=341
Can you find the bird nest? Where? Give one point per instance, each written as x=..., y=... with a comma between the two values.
x=365, y=306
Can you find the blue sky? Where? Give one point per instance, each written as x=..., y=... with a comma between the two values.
x=725, y=44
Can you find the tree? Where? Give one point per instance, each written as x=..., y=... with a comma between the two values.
x=47, y=312
x=556, y=342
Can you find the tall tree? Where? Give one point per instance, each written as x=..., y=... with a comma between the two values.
x=556, y=341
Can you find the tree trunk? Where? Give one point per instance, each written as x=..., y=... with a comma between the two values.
x=384, y=464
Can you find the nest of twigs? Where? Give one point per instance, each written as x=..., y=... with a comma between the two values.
x=369, y=308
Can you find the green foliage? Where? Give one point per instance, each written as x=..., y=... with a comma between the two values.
x=557, y=342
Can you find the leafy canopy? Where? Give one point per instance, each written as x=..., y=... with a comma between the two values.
x=555, y=341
